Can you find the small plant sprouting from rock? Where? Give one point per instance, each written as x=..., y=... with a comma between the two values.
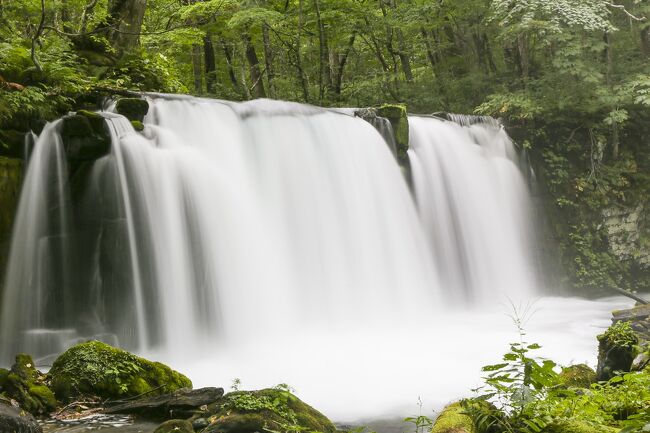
x=421, y=423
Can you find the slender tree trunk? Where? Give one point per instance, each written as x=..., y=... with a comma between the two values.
x=268, y=60
x=404, y=57
x=227, y=52
x=302, y=77
x=609, y=59
x=645, y=41
x=342, y=61
x=524, y=61
x=210, y=64
x=196, y=69
x=254, y=65
x=324, y=76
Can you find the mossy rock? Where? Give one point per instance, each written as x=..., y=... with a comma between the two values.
x=575, y=426
x=453, y=419
x=264, y=410
x=96, y=369
x=27, y=386
x=175, y=426
x=398, y=117
x=85, y=136
x=137, y=125
x=578, y=376
x=132, y=108
x=617, y=348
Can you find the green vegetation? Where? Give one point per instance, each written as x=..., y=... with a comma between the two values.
x=27, y=386
x=97, y=369
x=274, y=409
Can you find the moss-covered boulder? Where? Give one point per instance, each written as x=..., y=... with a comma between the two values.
x=398, y=117
x=578, y=376
x=175, y=426
x=132, y=108
x=85, y=136
x=576, y=426
x=453, y=419
x=137, y=125
x=27, y=386
x=264, y=410
x=617, y=348
x=97, y=369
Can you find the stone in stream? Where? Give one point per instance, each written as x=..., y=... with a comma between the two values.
x=179, y=404
x=96, y=369
x=15, y=420
x=175, y=426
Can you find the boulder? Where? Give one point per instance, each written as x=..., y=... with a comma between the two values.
x=179, y=404
x=617, y=348
x=15, y=420
x=578, y=376
x=398, y=117
x=453, y=419
x=85, y=136
x=264, y=410
x=132, y=108
x=27, y=386
x=97, y=369
x=175, y=426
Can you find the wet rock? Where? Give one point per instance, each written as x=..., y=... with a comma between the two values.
x=15, y=420
x=264, y=410
x=179, y=404
x=617, y=348
x=27, y=386
x=97, y=369
x=578, y=376
x=132, y=108
x=175, y=426
x=200, y=424
x=453, y=420
x=137, y=125
x=398, y=117
x=12, y=143
x=641, y=361
x=85, y=136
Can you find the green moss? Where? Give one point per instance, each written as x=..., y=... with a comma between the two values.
x=95, y=368
x=453, y=419
x=175, y=426
x=137, y=125
x=578, y=376
x=95, y=119
x=264, y=410
x=398, y=117
x=132, y=108
x=26, y=385
x=3, y=377
x=76, y=126
x=573, y=426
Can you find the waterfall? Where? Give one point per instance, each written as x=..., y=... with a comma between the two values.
x=474, y=205
x=219, y=222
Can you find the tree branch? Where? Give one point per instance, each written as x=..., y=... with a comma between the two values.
x=622, y=7
x=37, y=35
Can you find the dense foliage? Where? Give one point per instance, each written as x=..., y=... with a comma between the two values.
x=570, y=78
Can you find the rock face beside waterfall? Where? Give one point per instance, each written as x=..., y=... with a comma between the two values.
x=95, y=368
x=11, y=173
x=15, y=420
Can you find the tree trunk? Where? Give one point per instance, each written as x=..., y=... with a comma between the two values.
x=645, y=41
x=257, y=91
x=125, y=23
x=404, y=58
x=524, y=61
x=301, y=73
x=196, y=69
x=342, y=60
x=268, y=60
x=210, y=65
x=227, y=52
x=324, y=76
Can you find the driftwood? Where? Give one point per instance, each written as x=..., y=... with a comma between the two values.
x=631, y=295
x=181, y=402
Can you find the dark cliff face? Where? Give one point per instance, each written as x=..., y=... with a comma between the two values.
x=11, y=174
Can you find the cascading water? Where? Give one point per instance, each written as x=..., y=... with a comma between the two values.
x=474, y=204
x=278, y=242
